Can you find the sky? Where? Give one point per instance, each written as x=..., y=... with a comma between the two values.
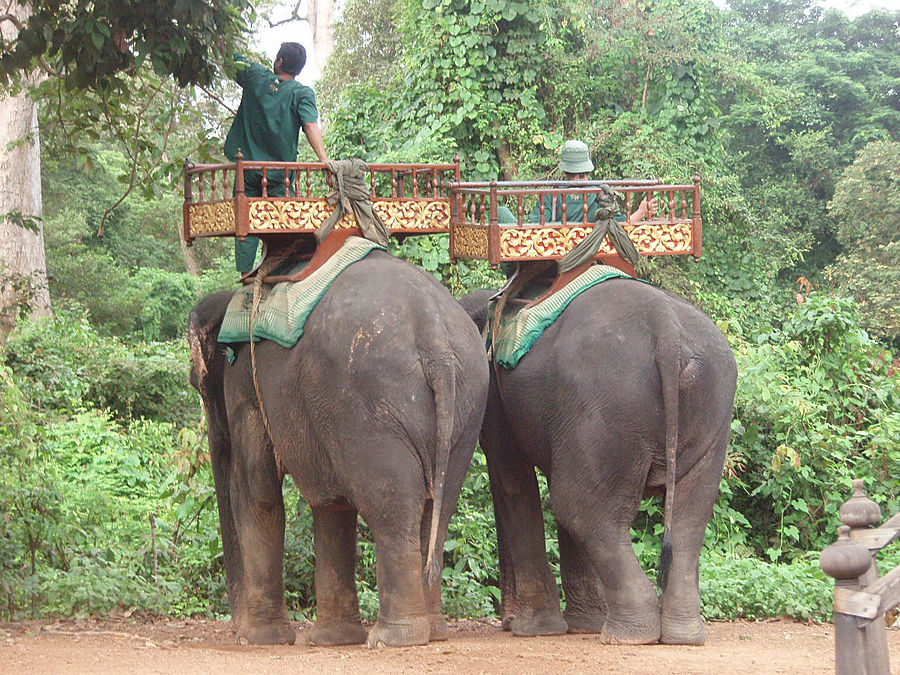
x=269, y=39
x=852, y=8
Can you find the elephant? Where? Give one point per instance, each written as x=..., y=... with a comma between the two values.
x=628, y=393
x=374, y=412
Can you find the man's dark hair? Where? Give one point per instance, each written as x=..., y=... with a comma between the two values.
x=293, y=57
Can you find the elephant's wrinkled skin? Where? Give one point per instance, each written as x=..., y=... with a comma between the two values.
x=625, y=368
x=375, y=412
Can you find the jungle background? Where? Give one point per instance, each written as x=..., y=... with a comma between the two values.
x=790, y=114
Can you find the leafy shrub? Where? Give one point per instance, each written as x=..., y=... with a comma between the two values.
x=67, y=366
x=751, y=588
x=816, y=406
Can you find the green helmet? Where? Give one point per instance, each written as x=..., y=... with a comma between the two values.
x=575, y=157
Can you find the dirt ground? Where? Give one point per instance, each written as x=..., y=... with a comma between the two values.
x=138, y=645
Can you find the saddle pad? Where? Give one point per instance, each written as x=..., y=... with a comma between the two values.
x=521, y=327
x=284, y=307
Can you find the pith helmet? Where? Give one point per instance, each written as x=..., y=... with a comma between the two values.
x=575, y=158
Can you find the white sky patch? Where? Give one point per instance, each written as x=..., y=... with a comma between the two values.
x=852, y=8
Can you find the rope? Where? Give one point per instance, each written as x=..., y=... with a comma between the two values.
x=265, y=267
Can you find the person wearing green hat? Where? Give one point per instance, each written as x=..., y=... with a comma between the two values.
x=575, y=163
x=274, y=108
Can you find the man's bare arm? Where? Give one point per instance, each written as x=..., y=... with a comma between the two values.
x=314, y=136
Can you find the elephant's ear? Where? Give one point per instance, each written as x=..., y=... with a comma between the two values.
x=202, y=339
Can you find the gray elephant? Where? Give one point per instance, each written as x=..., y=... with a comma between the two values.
x=628, y=393
x=376, y=412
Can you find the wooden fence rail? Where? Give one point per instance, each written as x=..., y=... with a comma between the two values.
x=861, y=598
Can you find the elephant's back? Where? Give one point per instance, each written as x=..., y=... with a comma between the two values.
x=382, y=318
x=622, y=314
x=602, y=357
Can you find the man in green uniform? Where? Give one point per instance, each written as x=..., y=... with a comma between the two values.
x=575, y=162
x=274, y=108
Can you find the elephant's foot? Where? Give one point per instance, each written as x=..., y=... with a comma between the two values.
x=439, y=630
x=399, y=633
x=270, y=633
x=334, y=633
x=528, y=623
x=584, y=621
x=628, y=631
x=682, y=630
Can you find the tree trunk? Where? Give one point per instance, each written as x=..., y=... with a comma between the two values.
x=23, y=270
x=191, y=265
x=321, y=21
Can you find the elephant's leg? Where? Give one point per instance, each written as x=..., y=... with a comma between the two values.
x=221, y=461
x=600, y=515
x=258, y=510
x=393, y=512
x=695, y=496
x=530, y=598
x=585, y=605
x=337, y=606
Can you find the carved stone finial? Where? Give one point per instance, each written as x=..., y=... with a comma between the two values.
x=859, y=510
x=845, y=559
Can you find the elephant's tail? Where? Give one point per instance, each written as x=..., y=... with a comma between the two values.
x=668, y=362
x=441, y=377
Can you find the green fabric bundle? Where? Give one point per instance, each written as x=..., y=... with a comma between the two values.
x=607, y=210
x=350, y=194
x=520, y=328
x=284, y=307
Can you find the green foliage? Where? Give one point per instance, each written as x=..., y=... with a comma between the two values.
x=867, y=207
x=69, y=367
x=99, y=514
x=753, y=589
x=470, y=577
x=816, y=406
x=823, y=81
x=90, y=42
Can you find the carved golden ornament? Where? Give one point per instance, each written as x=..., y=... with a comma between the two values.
x=212, y=218
x=514, y=242
x=656, y=238
x=539, y=242
x=555, y=242
x=470, y=242
x=310, y=214
x=265, y=215
x=421, y=214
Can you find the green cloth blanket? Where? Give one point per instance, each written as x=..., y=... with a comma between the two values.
x=284, y=307
x=520, y=328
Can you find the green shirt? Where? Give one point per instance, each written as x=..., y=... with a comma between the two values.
x=574, y=209
x=272, y=112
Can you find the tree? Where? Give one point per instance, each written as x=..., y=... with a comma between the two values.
x=86, y=46
x=23, y=280
x=867, y=206
x=830, y=85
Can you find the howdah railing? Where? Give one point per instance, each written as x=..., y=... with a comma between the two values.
x=410, y=198
x=861, y=597
x=290, y=198
x=478, y=231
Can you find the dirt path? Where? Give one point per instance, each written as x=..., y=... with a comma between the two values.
x=172, y=647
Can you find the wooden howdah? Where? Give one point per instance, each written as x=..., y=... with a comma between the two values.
x=409, y=198
x=430, y=198
x=476, y=233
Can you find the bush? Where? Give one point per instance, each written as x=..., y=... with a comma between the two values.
x=817, y=405
x=67, y=366
x=750, y=588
